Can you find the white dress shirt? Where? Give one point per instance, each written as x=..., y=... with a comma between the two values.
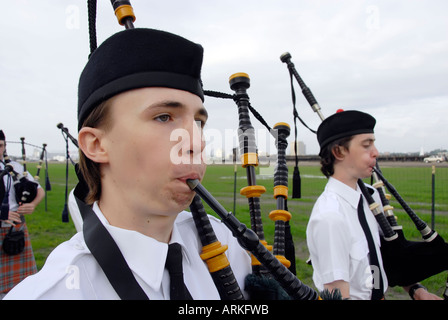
x=71, y=271
x=337, y=243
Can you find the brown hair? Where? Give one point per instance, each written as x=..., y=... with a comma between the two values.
x=327, y=156
x=98, y=118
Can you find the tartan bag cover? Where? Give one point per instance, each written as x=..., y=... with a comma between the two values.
x=14, y=269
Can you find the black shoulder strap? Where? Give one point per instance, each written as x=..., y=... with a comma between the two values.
x=109, y=256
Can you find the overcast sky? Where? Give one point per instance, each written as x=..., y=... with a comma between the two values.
x=387, y=58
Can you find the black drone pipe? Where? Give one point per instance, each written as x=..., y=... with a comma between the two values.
x=248, y=239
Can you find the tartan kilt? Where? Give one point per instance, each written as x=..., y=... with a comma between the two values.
x=14, y=269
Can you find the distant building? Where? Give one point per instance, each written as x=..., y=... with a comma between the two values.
x=36, y=154
x=301, y=148
x=61, y=157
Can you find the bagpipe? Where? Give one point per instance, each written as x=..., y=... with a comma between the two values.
x=410, y=261
x=405, y=262
x=26, y=189
x=270, y=278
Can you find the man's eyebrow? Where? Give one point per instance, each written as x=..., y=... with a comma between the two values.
x=368, y=140
x=176, y=104
x=168, y=103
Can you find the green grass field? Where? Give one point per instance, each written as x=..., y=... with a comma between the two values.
x=414, y=184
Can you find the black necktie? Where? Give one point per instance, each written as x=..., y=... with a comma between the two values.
x=178, y=290
x=377, y=293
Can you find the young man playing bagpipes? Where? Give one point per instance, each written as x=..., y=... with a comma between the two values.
x=140, y=116
x=343, y=236
x=16, y=253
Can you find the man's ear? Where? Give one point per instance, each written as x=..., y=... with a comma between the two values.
x=91, y=144
x=339, y=152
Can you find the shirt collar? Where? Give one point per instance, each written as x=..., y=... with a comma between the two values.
x=344, y=191
x=176, y=236
x=144, y=255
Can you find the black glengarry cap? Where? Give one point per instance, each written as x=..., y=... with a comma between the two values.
x=138, y=58
x=344, y=124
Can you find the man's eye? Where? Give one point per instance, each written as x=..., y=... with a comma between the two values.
x=163, y=118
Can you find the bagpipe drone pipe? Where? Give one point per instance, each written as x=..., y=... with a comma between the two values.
x=81, y=188
x=405, y=262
